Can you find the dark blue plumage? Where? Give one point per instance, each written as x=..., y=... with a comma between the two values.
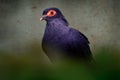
x=61, y=41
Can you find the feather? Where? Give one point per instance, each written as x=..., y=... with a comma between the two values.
x=61, y=41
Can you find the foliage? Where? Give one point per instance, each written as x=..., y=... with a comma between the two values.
x=32, y=66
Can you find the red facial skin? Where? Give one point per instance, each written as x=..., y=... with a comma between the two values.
x=51, y=13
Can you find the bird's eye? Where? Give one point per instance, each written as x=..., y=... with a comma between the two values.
x=51, y=13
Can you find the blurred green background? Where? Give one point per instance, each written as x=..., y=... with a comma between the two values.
x=21, y=56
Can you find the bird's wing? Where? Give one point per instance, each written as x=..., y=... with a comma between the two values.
x=79, y=45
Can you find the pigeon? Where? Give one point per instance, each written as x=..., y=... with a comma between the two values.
x=60, y=41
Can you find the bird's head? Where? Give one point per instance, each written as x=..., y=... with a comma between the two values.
x=51, y=13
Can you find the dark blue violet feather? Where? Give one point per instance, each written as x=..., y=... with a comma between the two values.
x=69, y=42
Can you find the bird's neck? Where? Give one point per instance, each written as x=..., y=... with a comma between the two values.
x=56, y=26
x=58, y=21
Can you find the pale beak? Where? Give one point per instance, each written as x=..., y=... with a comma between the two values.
x=43, y=18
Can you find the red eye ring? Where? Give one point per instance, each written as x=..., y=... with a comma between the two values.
x=51, y=13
